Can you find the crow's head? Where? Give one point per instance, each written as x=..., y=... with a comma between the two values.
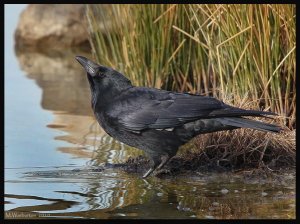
x=103, y=80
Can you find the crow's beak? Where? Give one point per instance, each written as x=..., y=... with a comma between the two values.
x=90, y=67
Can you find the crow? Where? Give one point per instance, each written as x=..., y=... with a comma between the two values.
x=159, y=121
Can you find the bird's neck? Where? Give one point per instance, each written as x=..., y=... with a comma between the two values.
x=104, y=97
x=112, y=86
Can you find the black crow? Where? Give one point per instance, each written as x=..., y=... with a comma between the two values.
x=159, y=121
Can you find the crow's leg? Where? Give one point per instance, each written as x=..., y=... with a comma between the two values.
x=148, y=172
x=162, y=171
x=155, y=160
x=156, y=165
x=164, y=160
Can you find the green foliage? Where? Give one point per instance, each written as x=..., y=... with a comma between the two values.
x=238, y=53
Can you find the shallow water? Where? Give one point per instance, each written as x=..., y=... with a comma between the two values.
x=54, y=150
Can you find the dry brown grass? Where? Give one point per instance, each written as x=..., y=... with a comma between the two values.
x=244, y=148
x=236, y=150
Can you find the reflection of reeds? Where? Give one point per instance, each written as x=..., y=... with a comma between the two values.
x=228, y=51
x=238, y=207
x=204, y=198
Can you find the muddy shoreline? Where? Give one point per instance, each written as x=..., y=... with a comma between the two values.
x=179, y=167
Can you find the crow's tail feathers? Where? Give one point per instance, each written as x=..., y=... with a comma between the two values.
x=247, y=123
x=234, y=112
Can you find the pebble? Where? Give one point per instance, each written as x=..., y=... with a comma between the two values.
x=224, y=191
x=264, y=194
x=209, y=217
x=215, y=203
x=292, y=205
x=159, y=194
x=120, y=214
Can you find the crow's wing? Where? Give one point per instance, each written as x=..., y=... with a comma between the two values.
x=147, y=108
x=142, y=108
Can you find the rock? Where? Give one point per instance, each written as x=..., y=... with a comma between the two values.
x=62, y=81
x=264, y=194
x=159, y=194
x=216, y=204
x=52, y=25
x=224, y=191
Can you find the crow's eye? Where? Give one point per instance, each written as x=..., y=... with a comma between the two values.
x=101, y=74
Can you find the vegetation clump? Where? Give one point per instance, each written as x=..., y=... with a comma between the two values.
x=243, y=54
